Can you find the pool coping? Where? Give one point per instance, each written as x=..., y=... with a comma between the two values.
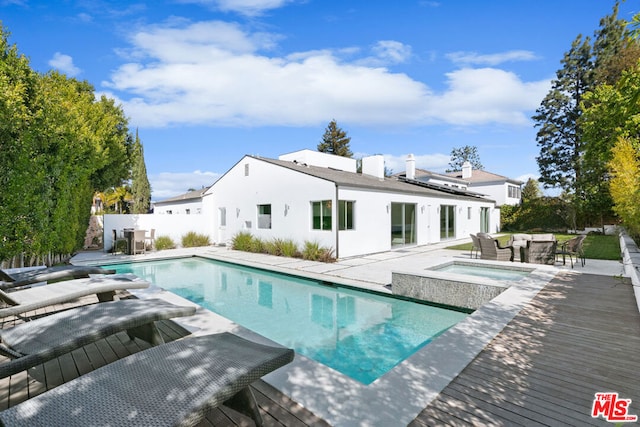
x=400, y=395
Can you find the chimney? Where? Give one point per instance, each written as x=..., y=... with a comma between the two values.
x=466, y=170
x=373, y=165
x=411, y=167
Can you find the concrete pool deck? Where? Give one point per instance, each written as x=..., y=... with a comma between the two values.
x=413, y=383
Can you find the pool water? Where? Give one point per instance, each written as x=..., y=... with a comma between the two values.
x=481, y=271
x=360, y=334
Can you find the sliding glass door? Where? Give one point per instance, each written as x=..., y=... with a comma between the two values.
x=403, y=224
x=447, y=222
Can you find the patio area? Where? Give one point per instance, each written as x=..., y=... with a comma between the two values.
x=575, y=335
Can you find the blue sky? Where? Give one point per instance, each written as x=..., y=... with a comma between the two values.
x=208, y=81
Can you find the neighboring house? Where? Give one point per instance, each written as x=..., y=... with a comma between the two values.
x=505, y=191
x=313, y=196
x=189, y=203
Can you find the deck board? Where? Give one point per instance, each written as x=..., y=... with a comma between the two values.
x=580, y=335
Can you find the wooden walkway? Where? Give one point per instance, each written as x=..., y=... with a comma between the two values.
x=579, y=336
x=276, y=409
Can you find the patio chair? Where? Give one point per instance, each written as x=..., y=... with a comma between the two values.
x=475, y=245
x=49, y=274
x=172, y=384
x=24, y=300
x=139, y=242
x=115, y=239
x=539, y=252
x=151, y=238
x=572, y=247
x=491, y=249
x=45, y=338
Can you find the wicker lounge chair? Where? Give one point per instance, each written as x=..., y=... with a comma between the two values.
x=50, y=274
x=490, y=248
x=24, y=300
x=168, y=385
x=539, y=252
x=35, y=342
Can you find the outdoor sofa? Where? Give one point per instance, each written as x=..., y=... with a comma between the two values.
x=37, y=341
x=174, y=384
x=48, y=274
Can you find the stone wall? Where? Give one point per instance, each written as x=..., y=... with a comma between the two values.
x=631, y=261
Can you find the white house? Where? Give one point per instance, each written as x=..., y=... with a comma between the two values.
x=505, y=191
x=312, y=196
x=185, y=204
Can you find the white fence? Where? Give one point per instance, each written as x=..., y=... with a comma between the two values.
x=173, y=226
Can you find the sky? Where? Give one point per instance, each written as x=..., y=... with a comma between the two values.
x=206, y=82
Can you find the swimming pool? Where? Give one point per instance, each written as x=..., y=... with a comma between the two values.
x=360, y=334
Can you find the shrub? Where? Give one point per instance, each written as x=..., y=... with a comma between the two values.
x=242, y=241
x=164, y=242
x=312, y=251
x=288, y=248
x=256, y=245
x=193, y=239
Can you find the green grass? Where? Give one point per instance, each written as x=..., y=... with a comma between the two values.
x=596, y=246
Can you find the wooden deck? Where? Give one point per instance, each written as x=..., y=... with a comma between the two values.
x=579, y=336
x=276, y=409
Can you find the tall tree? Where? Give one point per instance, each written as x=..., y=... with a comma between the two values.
x=531, y=191
x=140, y=187
x=335, y=141
x=625, y=182
x=464, y=154
x=559, y=136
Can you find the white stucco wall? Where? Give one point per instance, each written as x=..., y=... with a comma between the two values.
x=499, y=193
x=173, y=226
x=180, y=207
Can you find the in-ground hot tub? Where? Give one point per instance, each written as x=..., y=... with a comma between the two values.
x=465, y=284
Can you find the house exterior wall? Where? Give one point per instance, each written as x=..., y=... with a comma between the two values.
x=182, y=207
x=497, y=192
x=252, y=182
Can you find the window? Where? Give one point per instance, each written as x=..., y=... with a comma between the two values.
x=345, y=215
x=469, y=212
x=246, y=169
x=223, y=217
x=264, y=216
x=513, y=191
x=321, y=215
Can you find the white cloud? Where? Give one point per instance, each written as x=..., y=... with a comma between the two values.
x=474, y=58
x=216, y=73
x=487, y=95
x=387, y=52
x=243, y=7
x=64, y=64
x=170, y=184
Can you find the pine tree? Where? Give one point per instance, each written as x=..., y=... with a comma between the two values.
x=464, y=154
x=140, y=187
x=335, y=141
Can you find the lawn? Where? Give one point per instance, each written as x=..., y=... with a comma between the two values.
x=596, y=246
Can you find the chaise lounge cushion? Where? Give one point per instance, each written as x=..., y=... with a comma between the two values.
x=173, y=384
x=48, y=274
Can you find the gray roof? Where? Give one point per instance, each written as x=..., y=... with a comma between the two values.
x=191, y=195
x=357, y=180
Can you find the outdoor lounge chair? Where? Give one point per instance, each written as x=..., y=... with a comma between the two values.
x=49, y=274
x=539, y=252
x=35, y=342
x=36, y=297
x=490, y=248
x=172, y=384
